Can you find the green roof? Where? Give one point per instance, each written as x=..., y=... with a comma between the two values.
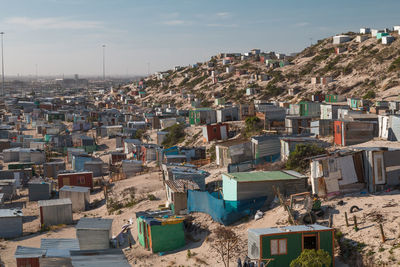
x=201, y=109
x=260, y=176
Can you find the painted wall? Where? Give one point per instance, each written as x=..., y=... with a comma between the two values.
x=229, y=188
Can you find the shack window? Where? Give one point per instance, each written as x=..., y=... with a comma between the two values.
x=279, y=246
x=81, y=180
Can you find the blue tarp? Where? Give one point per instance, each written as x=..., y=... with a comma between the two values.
x=222, y=211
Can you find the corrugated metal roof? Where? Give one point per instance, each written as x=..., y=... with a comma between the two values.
x=99, y=258
x=28, y=252
x=54, y=202
x=60, y=243
x=296, y=174
x=10, y=213
x=75, y=188
x=260, y=176
x=181, y=186
x=288, y=229
x=94, y=224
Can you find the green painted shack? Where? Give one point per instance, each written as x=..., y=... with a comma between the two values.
x=282, y=245
x=200, y=116
x=160, y=231
x=379, y=35
x=356, y=103
x=329, y=98
x=310, y=108
x=52, y=116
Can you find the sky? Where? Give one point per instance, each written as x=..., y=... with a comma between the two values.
x=57, y=37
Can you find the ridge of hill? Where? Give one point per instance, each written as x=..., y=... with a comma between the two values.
x=359, y=70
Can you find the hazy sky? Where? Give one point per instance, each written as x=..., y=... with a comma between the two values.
x=66, y=36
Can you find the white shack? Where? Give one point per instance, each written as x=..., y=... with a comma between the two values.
x=387, y=39
x=79, y=196
x=365, y=30
x=339, y=39
x=94, y=233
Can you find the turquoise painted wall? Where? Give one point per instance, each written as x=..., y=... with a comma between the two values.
x=229, y=188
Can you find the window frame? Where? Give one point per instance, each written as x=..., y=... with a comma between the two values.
x=279, y=252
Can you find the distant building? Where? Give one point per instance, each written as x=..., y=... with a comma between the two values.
x=365, y=30
x=339, y=39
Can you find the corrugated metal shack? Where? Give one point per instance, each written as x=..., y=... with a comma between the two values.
x=55, y=211
x=347, y=133
x=233, y=152
x=381, y=168
x=131, y=167
x=201, y=116
x=250, y=185
x=321, y=127
x=76, y=179
x=39, y=189
x=342, y=172
x=198, y=176
x=51, y=169
x=265, y=148
x=227, y=114
x=9, y=188
x=96, y=166
x=176, y=191
x=27, y=256
x=78, y=161
x=389, y=127
x=79, y=196
x=288, y=144
x=94, y=233
x=99, y=258
x=297, y=124
x=10, y=223
x=330, y=112
x=58, y=251
x=215, y=132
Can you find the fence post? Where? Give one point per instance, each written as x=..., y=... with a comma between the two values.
x=382, y=233
x=355, y=223
x=347, y=220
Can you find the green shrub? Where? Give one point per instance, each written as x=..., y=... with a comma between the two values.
x=298, y=158
x=369, y=95
x=312, y=258
x=176, y=134
x=395, y=65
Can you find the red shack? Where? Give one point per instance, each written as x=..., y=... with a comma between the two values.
x=349, y=133
x=76, y=179
x=217, y=131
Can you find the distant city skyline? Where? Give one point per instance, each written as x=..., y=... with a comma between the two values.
x=66, y=37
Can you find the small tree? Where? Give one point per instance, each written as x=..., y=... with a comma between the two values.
x=226, y=244
x=298, y=158
x=312, y=258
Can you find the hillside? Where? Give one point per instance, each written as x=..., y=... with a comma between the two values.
x=362, y=67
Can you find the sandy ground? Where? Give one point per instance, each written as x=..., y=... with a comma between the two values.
x=202, y=254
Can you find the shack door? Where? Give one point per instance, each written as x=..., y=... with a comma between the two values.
x=379, y=169
x=338, y=132
x=223, y=133
x=310, y=241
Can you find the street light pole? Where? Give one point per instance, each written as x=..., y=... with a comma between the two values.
x=104, y=62
x=2, y=65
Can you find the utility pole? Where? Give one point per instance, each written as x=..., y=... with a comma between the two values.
x=104, y=62
x=2, y=65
